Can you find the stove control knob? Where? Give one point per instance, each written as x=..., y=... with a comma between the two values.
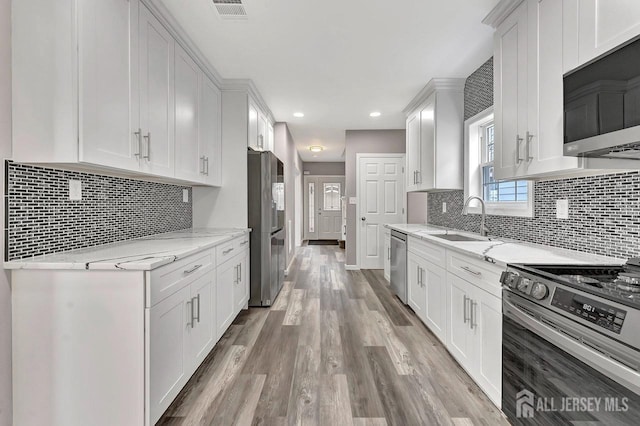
x=539, y=291
x=523, y=285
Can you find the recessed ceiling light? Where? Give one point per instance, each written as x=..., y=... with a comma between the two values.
x=374, y=114
x=298, y=114
x=316, y=148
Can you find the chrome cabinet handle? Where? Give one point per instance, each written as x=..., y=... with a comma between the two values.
x=472, y=318
x=206, y=159
x=139, y=138
x=195, y=268
x=244, y=242
x=518, y=141
x=198, y=299
x=228, y=251
x=202, y=164
x=415, y=180
x=529, y=137
x=260, y=141
x=418, y=176
x=471, y=270
x=464, y=310
x=148, y=138
x=389, y=253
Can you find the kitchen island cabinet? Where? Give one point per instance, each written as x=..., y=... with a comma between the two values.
x=110, y=335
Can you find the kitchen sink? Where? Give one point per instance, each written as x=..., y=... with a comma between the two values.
x=458, y=237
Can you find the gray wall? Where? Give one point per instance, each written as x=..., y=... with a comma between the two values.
x=365, y=141
x=285, y=150
x=324, y=169
x=5, y=152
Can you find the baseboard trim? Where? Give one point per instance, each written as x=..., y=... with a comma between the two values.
x=351, y=267
x=293, y=257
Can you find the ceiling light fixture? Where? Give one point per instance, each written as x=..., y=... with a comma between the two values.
x=316, y=148
x=298, y=114
x=375, y=114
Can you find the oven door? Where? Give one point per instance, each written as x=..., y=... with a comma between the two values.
x=548, y=375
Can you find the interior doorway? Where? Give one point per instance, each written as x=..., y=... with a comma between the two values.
x=323, y=218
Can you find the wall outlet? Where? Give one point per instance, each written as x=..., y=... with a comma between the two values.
x=562, y=209
x=444, y=207
x=75, y=190
x=185, y=195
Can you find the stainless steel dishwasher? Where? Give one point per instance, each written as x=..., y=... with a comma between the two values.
x=399, y=265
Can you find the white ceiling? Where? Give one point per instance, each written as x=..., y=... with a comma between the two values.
x=339, y=60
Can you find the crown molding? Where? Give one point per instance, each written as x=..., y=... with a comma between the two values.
x=434, y=85
x=247, y=85
x=500, y=12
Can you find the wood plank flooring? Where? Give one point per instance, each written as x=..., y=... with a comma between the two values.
x=336, y=348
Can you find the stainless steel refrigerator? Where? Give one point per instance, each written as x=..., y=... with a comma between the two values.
x=266, y=219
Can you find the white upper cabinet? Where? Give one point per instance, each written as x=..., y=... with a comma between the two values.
x=188, y=162
x=260, y=132
x=252, y=139
x=593, y=27
x=210, y=132
x=156, y=79
x=530, y=41
x=434, y=137
x=104, y=84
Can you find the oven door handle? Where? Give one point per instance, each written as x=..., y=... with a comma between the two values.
x=610, y=368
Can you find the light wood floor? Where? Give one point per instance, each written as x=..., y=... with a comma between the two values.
x=336, y=348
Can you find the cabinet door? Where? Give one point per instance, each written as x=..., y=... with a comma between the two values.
x=545, y=112
x=459, y=341
x=413, y=151
x=435, y=283
x=156, y=82
x=253, y=127
x=105, y=132
x=240, y=289
x=188, y=163
x=262, y=132
x=605, y=24
x=416, y=291
x=210, y=131
x=203, y=331
x=226, y=278
x=270, y=138
x=510, y=94
x=487, y=320
x=170, y=364
x=426, y=170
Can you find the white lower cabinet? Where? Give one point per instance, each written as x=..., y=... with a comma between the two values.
x=427, y=294
x=241, y=287
x=475, y=334
x=416, y=292
x=387, y=254
x=226, y=281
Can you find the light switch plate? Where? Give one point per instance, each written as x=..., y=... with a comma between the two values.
x=185, y=195
x=353, y=200
x=444, y=207
x=75, y=190
x=562, y=209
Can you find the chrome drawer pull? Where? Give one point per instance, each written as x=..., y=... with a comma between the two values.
x=471, y=270
x=195, y=268
x=228, y=251
x=244, y=242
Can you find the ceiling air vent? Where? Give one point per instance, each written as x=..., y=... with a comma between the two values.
x=230, y=9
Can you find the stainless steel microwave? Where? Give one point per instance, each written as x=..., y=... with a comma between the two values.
x=602, y=106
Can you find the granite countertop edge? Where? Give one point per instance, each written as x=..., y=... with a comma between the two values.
x=140, y=254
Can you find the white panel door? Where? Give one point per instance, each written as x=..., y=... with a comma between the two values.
x=202, y=332
x=156, y=61
x=106, y=134
x=188, y=162
x=380, y=201
x=170, y=364
x=330, y=190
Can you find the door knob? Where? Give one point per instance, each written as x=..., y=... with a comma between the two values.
x=363, y=218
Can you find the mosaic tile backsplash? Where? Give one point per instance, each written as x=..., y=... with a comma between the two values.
x=40, y=218
x=604, y=215
x=478, y=90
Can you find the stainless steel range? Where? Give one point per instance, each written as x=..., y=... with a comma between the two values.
x=571, y=331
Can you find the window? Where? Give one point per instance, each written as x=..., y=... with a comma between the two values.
x=509, y=198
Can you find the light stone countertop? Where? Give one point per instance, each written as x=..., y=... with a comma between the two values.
x=502, y=251
x=141, y=254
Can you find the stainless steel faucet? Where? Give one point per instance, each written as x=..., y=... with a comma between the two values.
x=484, y=230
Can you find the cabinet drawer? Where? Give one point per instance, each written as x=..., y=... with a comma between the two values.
x=168, y=279
x=241, y=243
x=476, y=271
x=226, y=251
x=432, y=252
